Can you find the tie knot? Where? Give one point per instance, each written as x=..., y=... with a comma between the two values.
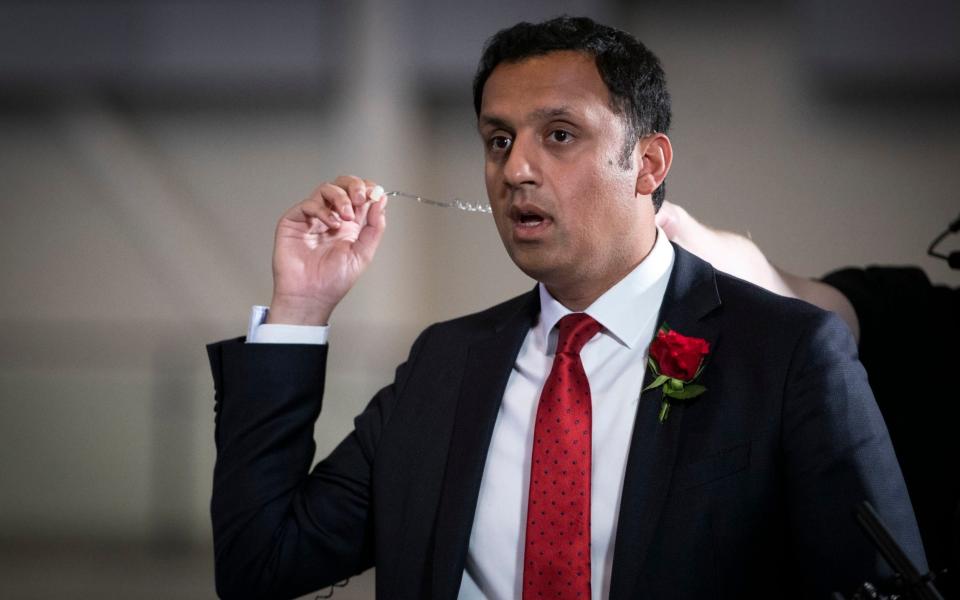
x=576, y=329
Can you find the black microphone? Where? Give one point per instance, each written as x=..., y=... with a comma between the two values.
x=953, y=259
x=955, y=226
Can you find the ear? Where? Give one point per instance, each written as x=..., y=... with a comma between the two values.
x=656, y=155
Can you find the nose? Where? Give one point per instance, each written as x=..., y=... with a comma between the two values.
x=522, y=165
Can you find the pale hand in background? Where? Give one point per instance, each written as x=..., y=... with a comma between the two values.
x=741, y=257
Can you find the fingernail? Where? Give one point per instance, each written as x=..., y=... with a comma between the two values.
x=377, y=194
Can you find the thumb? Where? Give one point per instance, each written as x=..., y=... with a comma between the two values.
x=372, y=232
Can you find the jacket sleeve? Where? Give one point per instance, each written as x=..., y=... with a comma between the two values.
x=838, y=453
x=281, y=530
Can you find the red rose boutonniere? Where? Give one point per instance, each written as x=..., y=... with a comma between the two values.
x=676, y=362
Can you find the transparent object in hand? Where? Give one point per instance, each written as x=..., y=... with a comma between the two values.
x=455, y=203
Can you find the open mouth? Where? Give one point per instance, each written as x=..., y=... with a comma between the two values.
x=527, y=217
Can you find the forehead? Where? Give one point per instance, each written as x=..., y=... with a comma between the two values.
x=566, y=79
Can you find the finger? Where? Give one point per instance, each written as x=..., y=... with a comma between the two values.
x=319, y=211
x=311, y=211
x=337, y=198
x=355, y=186
x=675, y=221
x=372, y=193
x=374, y=190
x=665, y=215
x=375, y=193
x=360, y=214
x=370, y=236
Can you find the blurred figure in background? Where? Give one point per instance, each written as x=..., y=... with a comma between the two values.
x=907, y=331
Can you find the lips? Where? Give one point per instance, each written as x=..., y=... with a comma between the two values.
x=528, y=220
x=527, y=216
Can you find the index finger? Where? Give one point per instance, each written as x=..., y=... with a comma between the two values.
x=374, y=190
x=355, y=187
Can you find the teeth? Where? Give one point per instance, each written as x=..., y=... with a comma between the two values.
x=530, y=220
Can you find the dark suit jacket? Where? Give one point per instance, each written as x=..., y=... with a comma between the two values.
x=746, y=491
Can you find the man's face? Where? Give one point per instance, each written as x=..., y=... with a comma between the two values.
x=567, y=210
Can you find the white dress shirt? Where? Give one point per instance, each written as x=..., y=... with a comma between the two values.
x=259, y=332
x=614, y=360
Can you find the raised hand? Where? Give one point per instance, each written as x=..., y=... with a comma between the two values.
x=741, y=257
x=322, y=246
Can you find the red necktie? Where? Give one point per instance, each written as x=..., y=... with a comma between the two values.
x=556, y=555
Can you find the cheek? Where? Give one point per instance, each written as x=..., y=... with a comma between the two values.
x=502, y=222
x=603, y=222
x=620, y=182
x=591, y=235
x=491, y=171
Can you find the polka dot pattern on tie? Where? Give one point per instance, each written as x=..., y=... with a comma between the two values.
x=557, y=548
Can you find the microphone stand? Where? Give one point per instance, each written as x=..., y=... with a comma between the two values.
x=916, y=585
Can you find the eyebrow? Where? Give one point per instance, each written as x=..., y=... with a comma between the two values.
x=491, y=121
x=540, y=114
x=551, y=113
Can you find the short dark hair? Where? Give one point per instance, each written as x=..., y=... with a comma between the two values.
x=632, y=74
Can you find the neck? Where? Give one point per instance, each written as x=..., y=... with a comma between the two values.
x=578, y=297
x=580, y=294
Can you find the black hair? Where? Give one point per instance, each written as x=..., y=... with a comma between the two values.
x=632, y=74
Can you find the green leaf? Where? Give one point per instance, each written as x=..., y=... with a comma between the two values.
x=656, y=382
x=689, y=391
x=664, y=410
x=703, y=363
x=673, y=386
x=653, y=366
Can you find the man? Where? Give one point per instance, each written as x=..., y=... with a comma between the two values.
x=459, y=481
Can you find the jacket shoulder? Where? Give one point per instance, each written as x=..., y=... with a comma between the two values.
x=524, y=307
x=756, y=303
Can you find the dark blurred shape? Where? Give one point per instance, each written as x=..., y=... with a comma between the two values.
x=227, y=53
x=203, y=50
x=908, y=345
x=882, y=50
x=912, y=581
x=449, y=42
x=953, y=259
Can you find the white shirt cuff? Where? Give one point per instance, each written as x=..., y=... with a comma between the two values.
x=260, y=332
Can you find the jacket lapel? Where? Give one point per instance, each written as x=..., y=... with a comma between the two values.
x=489, y=364
x=691, y=294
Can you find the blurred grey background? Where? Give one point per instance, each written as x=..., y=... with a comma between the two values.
x=147, y=149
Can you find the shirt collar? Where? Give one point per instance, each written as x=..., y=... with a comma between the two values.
x=625, y=308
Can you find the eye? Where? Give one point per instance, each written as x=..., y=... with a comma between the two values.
x=560, y=135
x=499, y=143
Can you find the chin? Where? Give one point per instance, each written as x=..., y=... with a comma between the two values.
x=533, y=263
